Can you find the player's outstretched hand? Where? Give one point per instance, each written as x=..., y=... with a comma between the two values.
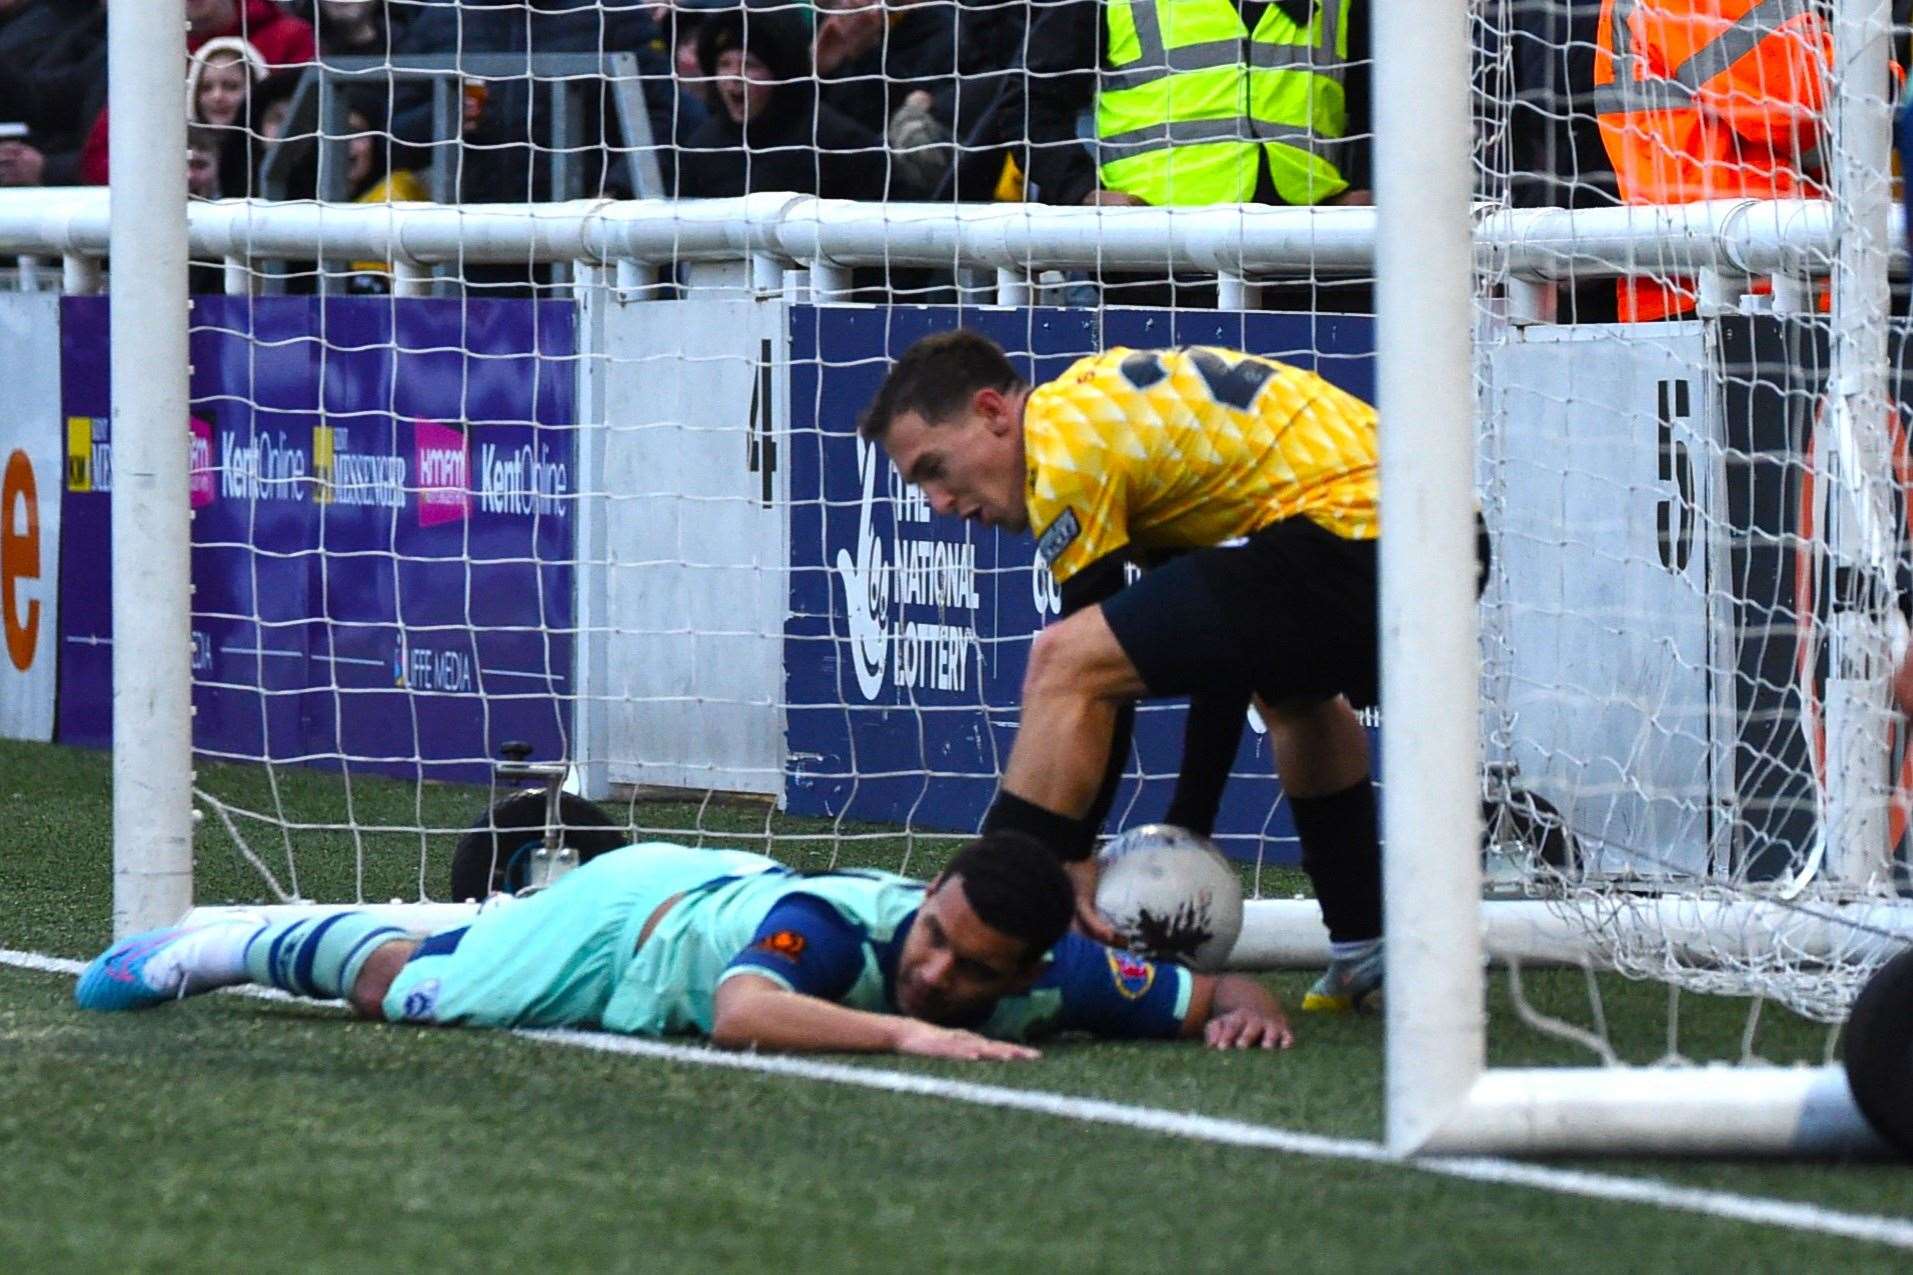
x=1248, y=1029
x=1093, y=924
x=927, y=1040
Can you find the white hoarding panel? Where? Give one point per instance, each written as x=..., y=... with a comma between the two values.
x=695, y=583
x=30, y=461
x=1600, y=467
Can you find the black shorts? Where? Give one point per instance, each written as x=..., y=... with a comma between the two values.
x=1290, y=612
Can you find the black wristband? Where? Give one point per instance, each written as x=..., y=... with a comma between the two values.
x=1070, y=840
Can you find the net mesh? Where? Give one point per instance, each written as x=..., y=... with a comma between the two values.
x=611, y=504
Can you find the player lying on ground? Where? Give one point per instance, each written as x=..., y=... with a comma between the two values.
x=660, y=940
x=1264, y=474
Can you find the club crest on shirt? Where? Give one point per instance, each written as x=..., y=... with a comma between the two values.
x=1132, y=975
x=421, y=1001
x=788, y=944
x=1060, y=535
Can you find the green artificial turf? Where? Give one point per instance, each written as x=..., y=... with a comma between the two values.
x=230, y=1133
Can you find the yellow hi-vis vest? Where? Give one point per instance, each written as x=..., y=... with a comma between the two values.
x=1187, y=97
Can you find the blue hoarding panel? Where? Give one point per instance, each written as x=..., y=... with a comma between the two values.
x=383, y=506
x=908, y=634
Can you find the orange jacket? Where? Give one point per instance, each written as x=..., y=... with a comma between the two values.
x=1708, y=99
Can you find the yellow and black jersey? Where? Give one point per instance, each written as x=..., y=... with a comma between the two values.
x=1187, y=448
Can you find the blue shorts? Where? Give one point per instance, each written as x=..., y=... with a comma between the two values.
x=553, y=959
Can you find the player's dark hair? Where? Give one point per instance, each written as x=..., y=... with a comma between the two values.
x=1016, y=887
x=936, y=377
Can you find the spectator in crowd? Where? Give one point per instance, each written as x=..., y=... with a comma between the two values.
x=940, y=79
x=371, y=179
x=52, y=81
x=886, y=67
x=690, y=93
x=1193, y=102
x=1556, y=158
x=369, y=173
x=203, y=146
x=769, y=131
x=220, y=78
x=281, y=40
x=508, y=151
x=351, y=28
x=1200, y=102
x=272, y=103
x=1708, y=99
x=985, y=104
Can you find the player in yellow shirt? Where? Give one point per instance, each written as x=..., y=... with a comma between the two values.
x=1261, y=478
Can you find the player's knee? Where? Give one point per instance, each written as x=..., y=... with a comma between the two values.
x=1056, y=666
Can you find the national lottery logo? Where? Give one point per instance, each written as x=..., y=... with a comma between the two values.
x=885, y=577
x=866, y=580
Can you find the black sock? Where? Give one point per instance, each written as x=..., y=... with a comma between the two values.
x=1070, y=840
x=1343, y=857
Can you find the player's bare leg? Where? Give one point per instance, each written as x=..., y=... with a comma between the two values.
x=1320, y=746
x=375, y=977
x=1078, y=677
x=1321, y=755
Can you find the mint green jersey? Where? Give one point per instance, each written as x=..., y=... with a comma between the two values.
x=570, y=956
x=672, y=985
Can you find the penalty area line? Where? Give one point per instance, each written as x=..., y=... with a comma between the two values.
x=1654, y=1192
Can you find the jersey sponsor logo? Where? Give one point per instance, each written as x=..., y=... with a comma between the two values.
x=1059, y=536
x=1132, y=975
x=788, y=944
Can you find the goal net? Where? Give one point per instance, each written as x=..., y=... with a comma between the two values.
x=528, y=516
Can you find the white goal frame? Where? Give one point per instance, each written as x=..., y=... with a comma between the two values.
x=1442, y=1097
x=1422, y=241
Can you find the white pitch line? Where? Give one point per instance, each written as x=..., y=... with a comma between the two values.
x=1655, y=1192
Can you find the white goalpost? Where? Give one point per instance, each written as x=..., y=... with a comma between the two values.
x=621, y=512
x=152, y=687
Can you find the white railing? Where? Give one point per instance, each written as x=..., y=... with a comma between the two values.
x=1527, y=248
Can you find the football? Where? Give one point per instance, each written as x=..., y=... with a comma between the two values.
x=1171, y=895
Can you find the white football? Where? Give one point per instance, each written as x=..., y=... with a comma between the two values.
x=1171, y=895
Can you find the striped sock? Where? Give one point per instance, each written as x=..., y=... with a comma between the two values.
x=319, y=957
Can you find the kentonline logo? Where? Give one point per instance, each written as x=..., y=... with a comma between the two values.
x=266, y=466
x=523, y=480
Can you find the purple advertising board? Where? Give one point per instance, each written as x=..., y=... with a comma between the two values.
x=383, y=499
x=908, y=634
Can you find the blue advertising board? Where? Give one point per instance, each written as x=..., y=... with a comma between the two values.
x=908, y=634
x=383, y=499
